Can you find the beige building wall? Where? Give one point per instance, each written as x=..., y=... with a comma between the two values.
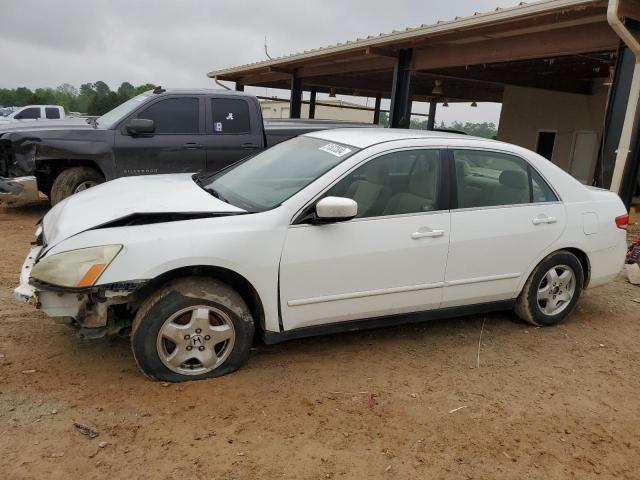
x=527, y=111
x=271, y=109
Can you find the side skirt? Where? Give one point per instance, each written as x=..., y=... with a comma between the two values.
x=388, y=321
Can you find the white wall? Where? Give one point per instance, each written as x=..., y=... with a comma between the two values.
x=272, y=109
x=525, y=111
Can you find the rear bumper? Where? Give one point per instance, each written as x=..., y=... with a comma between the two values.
x=18, y=190
x=606, y=264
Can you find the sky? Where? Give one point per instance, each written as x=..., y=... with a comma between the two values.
x=175, y=43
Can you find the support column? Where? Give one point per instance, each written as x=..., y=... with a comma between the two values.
x=295, y=104
x=617, y=162
x=431, y=121
x=400, y=113
x=312, y=102
x=376, y=110
x=239, y=87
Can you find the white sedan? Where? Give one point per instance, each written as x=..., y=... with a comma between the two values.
x=331, y=231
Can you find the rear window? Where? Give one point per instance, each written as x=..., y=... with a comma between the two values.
x=52, y=112
x=230, y=115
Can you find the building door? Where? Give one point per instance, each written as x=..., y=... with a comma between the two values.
x=583, y=156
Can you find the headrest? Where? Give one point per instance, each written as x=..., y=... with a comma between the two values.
x=423, y=179
x=462, y=169
x=514, y=179
x=377, y=173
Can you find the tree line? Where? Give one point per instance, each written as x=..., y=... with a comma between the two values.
x=484, y=129
x=91, y=98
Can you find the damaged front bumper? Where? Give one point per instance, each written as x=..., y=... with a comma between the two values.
x=18, y=190
x=90, y=309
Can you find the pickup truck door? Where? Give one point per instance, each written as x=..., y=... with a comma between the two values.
x=234, y=130
x=175, y=146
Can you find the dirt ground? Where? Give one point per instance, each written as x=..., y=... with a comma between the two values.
x=403, y=402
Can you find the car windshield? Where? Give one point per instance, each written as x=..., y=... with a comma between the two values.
x=112, y=117
x=266, y=180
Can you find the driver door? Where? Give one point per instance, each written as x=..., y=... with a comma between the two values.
x=388, y=260
x=174, y=147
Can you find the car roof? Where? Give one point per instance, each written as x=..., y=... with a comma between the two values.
x=365, y=137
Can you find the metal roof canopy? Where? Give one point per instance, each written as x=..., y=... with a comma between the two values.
x=553, y=44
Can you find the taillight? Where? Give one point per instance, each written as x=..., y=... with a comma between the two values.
x=622, y=221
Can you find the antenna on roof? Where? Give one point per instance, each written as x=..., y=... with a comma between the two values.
x=266, y=52
x=159, y=89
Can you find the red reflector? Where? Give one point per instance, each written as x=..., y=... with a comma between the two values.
x=622, y=221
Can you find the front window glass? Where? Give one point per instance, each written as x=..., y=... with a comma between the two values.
x=393, y=184
x=174, y=115
x=29, y=114
x=112, y=117
x=266, y=180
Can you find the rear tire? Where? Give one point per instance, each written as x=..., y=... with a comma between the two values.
x=72, y=180
x=552, y=290
x=191, y=329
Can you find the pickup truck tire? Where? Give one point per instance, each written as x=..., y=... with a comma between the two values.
x=552, y=290
x=191, y=329
x=72, y=180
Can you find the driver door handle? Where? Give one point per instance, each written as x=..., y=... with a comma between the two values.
x=192, y=146
x=426, y=233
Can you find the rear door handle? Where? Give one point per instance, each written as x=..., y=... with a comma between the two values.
x=192, y=146
x=249, y=146
x=540, y=219
x=427, y=233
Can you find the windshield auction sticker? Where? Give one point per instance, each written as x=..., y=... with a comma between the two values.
x=335, y=149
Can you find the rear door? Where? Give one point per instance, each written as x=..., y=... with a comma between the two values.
x=175, y=146
x=233, y=130
x=507, y=215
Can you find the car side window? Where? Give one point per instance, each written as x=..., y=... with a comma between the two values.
x=29, y=113
x=541, y=190
x=486, y=179
x=393, y=184
x=230, y=115
x=174, y=115
x=52, y=112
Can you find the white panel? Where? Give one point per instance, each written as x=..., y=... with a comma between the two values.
x=583, y=156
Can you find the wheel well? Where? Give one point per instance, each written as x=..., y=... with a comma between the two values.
x=231, y=278
x=584, y=261
x=55, y=166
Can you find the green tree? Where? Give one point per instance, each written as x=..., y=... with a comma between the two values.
x=143, y=88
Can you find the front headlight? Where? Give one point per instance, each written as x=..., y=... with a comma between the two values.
x=75, y=268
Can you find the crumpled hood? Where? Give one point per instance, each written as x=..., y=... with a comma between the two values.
x=123, y=197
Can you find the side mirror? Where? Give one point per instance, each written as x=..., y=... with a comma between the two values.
x=140, y=126
x=336, y=209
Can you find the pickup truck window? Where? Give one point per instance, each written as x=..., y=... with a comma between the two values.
x=52, y=112
x=230, y=115
x=29, y=113
x=174, y=115
x=109, y=119
x=266, y=180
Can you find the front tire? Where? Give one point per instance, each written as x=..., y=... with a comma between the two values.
x=552, y=290
x=73, y=180
x=192, y=328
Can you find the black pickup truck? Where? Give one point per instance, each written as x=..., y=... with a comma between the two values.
x=159, y=131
